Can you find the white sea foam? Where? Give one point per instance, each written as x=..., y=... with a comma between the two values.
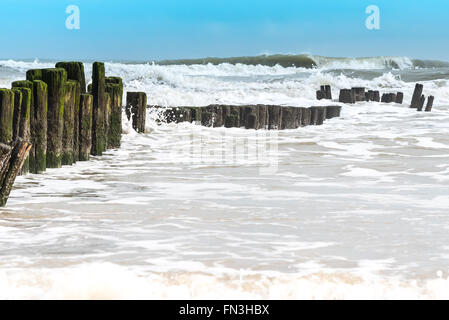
x=356, y=209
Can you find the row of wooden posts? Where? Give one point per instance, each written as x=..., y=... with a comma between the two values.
x=258, y=117
x=358, y=94
x=56, y=120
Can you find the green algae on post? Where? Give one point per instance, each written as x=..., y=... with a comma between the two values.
x=38, y=155
x=6, y=115
x=98, y=112
x=85, y=126
x=115, y=120
x=16, y=114
x=25, y=124
x=56, y=83
x=68, y=134
x=75, y=71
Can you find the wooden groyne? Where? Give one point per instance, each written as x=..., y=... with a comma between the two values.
x=258, y=117
x=359, y=94
x=52, y=119
x=49, y=120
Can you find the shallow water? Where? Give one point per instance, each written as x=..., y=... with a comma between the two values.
x=356, y=208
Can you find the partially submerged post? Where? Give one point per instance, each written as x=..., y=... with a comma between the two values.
x=25, y=121
x=85, y=126
x=6, y=115
x=17, y=106
x=346, y=96
x=56, y=83
x=420, y=104
x=136, y=106
x=417, y=95
x=68, y=136
x=114, y=86
x=429, y=105
x=399, y=97
x=12, y=160
x=99, y=104
x=358, y=94
x=38, y=155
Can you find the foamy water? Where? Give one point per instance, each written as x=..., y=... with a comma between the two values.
x=356, y=208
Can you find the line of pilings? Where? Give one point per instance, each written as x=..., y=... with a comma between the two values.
x=360, y=94
x=258, y=117
x=50, y=120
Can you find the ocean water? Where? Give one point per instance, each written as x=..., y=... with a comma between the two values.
x=356, y=208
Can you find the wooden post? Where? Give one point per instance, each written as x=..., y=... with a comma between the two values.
x=233, y=119
x=346, y=96
x=328, y=92
x=17, y=157
x=85, y=126
x=262, y=116
x=98, y=113
x=16, y=114
x=420, y=104
x=136, y=106
x=306, y=117
x=429, y=105
x=6, y=115
x=34, y=74
x=38, y=156
x=333, y=112
x=75, y=71
x=56, y=83
x=358, y=94
x=274, y=117
x=25, y=122
x=68, y=136
x=320, y=95
x=115, y=125
x=288, y=118
x=417, y=94
x=107, y=115
x=318, y=115
x=249, y=117
x=399, y=97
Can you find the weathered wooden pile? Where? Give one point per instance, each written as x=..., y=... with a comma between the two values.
x=268, y=117
x=51, y=115
x=419, y=99
x=357, y=94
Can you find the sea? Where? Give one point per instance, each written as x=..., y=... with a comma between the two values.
x=357, y=208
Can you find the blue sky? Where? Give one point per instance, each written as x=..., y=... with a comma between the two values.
x=155, y=29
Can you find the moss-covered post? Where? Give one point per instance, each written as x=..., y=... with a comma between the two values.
x=68, y=133
x=34, y=74
x=107, y=115
x=6, y=115
x=56, y=80
x=16, y=115
x=24, y=124
x=136, y=103
x=75, y=71
x=85, y=125
x=38, y=155
x=76, y=125
x=114, y=86
x=98, y=112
